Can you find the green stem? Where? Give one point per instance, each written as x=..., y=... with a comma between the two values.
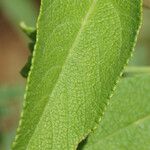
x=132, y=70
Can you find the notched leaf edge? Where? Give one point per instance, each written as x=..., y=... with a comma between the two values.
x=81, y=142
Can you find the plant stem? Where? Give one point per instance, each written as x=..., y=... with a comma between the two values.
x=133, y=70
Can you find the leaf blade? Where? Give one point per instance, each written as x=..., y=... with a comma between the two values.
x=125, y=124
x=70, y=75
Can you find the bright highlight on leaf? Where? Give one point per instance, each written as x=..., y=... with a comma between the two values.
x=81, y=49
x=126, y=123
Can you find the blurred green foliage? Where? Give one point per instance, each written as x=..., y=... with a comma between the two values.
x=7, y=92
x=10, y=103
x=141, y=56
x=20, y=10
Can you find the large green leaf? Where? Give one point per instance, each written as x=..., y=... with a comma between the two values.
x=126, y=123
x=82, y=47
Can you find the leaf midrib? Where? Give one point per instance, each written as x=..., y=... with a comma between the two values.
x=83, y=23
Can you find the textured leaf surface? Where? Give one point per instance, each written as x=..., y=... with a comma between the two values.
x=126, y=123
x=82, y=47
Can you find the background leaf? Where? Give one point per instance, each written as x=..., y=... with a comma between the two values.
x=82, y=47
x=126, y=123
x=31, y=33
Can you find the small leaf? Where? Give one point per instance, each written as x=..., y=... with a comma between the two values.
x=126, y=123
x=82, y=47
x=31, y=33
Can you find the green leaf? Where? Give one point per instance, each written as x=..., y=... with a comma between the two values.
x=82, y=47
x=10, y=92
x=126, y=123
x=31, y=33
